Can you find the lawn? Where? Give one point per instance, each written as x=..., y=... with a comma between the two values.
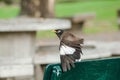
x=106, y=16
x=106, y=13
x=104, y=9
x=9, y=11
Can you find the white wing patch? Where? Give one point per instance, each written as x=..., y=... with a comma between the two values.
x=66, y=50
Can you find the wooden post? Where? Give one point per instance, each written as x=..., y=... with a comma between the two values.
x=16, y=53
x=118, y=14
x=38, y=72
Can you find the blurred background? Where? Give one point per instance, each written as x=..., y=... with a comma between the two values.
x=97, y=21
x=98, y=16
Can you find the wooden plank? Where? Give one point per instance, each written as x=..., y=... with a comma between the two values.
x=49, y=58
x=31, y=24
x=15, y=60
x=16, y=47
x=10, y=78
x=83, y=17
x=50, y=54
x=16, y=70
x=24, y=78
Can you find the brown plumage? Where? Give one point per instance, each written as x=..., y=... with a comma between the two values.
x=70, y=49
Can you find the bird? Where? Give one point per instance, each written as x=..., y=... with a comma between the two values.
x=70, y=49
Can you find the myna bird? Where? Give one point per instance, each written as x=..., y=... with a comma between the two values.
x=70, y=49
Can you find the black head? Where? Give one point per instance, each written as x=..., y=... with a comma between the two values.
x=59, y=32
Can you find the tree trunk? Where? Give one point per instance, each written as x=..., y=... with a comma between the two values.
x=37, y=8
x=47, y=8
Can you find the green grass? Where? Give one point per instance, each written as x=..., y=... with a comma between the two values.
x=106, y=14
x=103, y=9
x=106, y=10
x=9, y=11
x=99, y=29
x=46, y=34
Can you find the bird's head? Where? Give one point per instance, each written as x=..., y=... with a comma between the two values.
x=58, y=32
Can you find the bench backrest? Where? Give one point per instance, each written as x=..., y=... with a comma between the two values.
x=102, y=69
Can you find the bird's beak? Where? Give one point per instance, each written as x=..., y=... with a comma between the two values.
x=54, y=31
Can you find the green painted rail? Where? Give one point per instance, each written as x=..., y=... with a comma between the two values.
x=101, y=69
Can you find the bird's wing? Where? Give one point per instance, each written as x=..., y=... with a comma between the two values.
x=70, y=45
x=71, y=38
x=70, y=50
x=66, y=50
x=66, y=62
x=67, y=57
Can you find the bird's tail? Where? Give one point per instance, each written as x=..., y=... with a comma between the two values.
x=67, y=61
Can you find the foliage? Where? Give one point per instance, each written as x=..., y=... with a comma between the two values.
x=7, y=1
